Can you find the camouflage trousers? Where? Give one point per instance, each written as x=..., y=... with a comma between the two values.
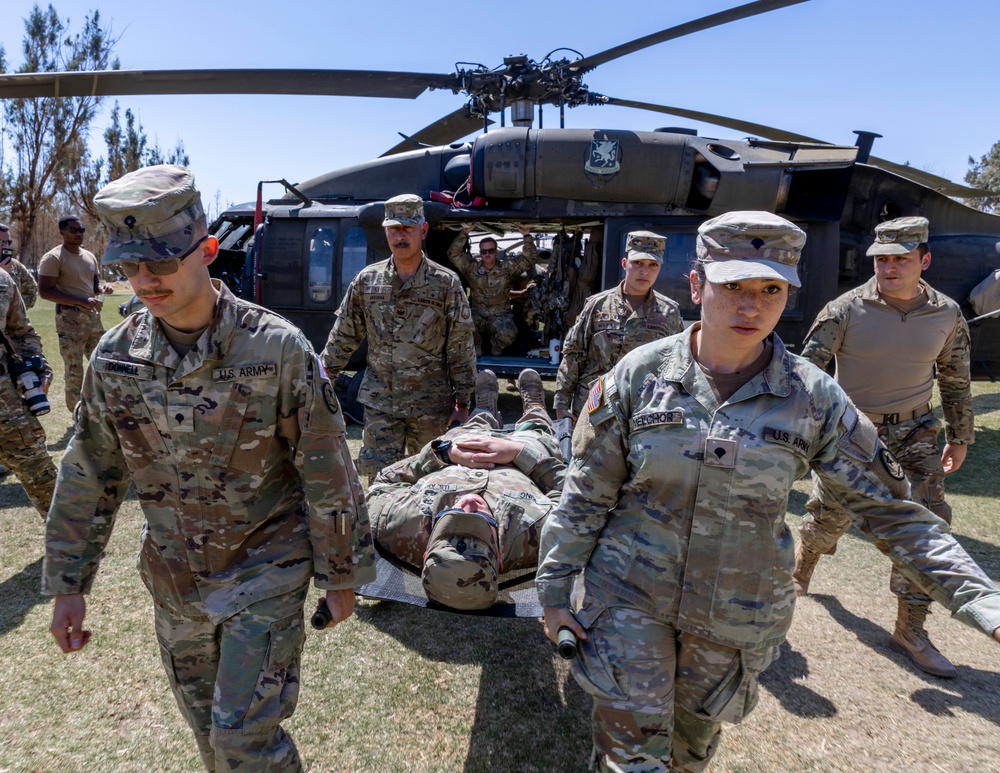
x=386, y=438
x=660, y=694
x=22, y=448
x=495, y=324
x=914, y=443
x=78, y=331
x=235, y=682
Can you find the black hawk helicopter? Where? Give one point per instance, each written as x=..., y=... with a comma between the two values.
x=584, y=189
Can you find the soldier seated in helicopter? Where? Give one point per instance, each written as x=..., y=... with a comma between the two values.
x=491, y=277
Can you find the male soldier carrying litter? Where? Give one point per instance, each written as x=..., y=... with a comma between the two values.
x=891, y=336
x=69, y=276
x=421, y=360
x=472, y=503
x=615, y=322
x=491, y=277
x=219, y=413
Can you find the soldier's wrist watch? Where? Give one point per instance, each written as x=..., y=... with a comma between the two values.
x=442, y=449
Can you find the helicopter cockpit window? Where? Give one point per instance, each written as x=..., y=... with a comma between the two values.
x=321, y=245
x=354, y=258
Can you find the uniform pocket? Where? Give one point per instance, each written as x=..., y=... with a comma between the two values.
x=601, y=667
x=735, y=696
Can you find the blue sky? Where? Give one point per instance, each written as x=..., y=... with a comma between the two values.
x=923, y=73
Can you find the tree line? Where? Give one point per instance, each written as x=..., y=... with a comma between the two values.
x=46, y=166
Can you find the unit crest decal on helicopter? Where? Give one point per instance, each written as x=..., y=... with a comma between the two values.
x=605, y=157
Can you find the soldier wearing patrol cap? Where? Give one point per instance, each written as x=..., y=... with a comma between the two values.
x=219, y=413
x=891, y=337
x=421, y=359
x=615, y=322
x=668, y=554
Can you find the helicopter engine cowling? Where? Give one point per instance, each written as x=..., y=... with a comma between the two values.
x=582, y=164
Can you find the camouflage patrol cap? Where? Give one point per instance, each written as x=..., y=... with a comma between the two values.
x=750, y=245
x=153, y=213
x=405, y=209
x=461, y=565
x=900, y=236
x=645, y=245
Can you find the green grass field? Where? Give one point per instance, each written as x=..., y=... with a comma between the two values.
x=401, y=689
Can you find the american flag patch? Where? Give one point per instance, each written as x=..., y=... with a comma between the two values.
x=596, y=396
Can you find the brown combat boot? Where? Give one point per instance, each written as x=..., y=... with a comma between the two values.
x=488, y=392
x=912, y=640
x=805, y=564
x=529, y=384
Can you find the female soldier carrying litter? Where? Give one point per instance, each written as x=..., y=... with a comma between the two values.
x=673, y=510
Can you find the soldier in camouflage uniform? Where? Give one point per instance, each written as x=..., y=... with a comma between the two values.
x=890, y=338
x=421, y=359
x=491, y=277
x=69, y=276
x=614, y=323
x=22, y=277
x=22, y=439
x=673, y=510
x=472, y=503
x=220, y=415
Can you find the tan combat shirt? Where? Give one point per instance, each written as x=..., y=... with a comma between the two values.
x=489, y=288
x=75, y=274
x=887, y=361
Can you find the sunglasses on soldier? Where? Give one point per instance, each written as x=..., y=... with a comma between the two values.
x=156, y=267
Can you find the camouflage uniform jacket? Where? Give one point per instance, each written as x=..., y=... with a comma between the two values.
x=952, y=362
x=421, y=355
x=405, y=496
x=25, y=282
x=490, y=287
x=239, y=460
x=606, y=330
x=676, y=506
x=15, y=325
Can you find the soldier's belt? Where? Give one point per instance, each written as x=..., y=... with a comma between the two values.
x=895, y=418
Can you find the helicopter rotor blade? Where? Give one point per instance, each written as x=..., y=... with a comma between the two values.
x=707, y=22
x=939, y=184
x=346, y=83
x=751, y=129
x=443, y=131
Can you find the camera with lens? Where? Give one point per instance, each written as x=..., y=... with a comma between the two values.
x=6, y=254
x=26, y=374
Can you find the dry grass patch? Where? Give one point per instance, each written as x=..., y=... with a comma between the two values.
x=402, y=689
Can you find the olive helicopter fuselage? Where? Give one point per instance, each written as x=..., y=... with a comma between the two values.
x=589, y=188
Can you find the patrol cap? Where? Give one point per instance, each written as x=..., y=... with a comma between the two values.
x=750, y=245
x=645, y=245
x=153, y=213
x=405, y=209
x=461, y=565
x=900, y=236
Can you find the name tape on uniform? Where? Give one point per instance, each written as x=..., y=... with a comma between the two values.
x=656, y=419
x=124, y=368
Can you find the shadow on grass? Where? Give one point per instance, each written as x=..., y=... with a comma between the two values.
x=780, y=681
x=19, y=593
x=974, y=691
x=61, y=443
x=520, y=715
